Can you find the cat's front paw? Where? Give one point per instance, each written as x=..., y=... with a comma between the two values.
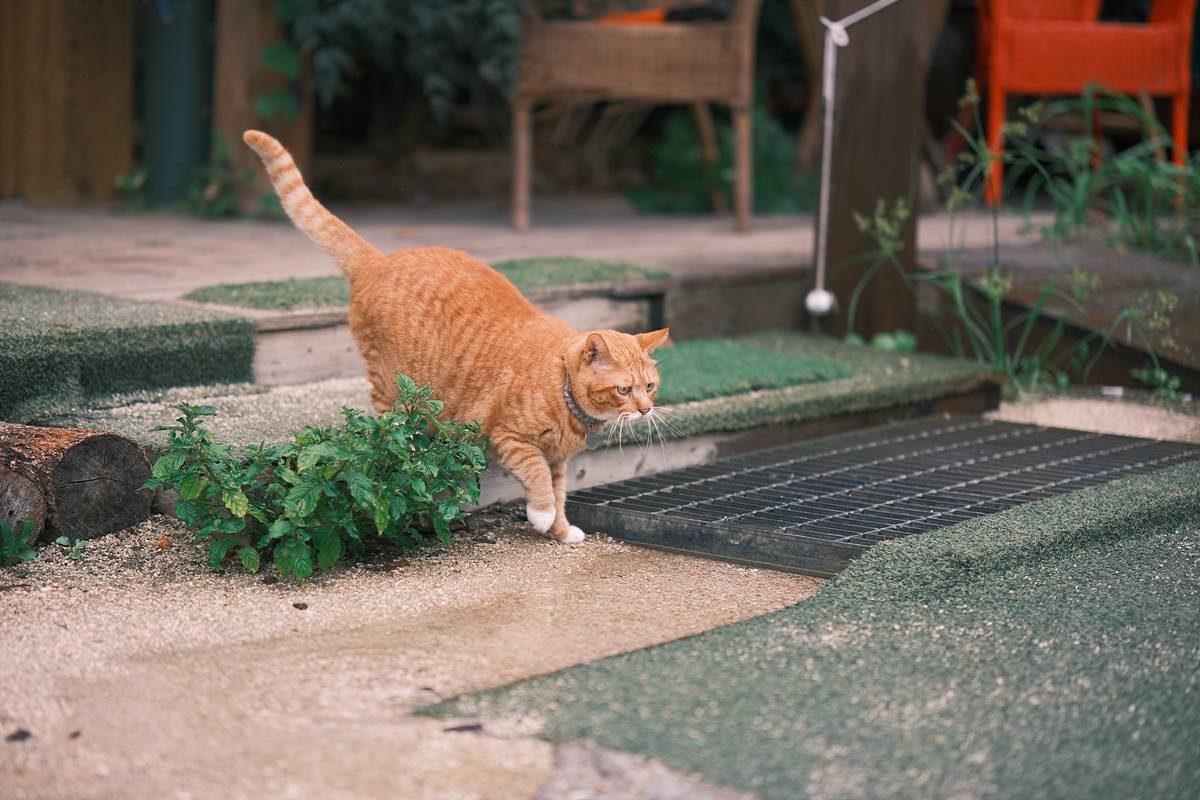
x=573, y=536
x=540, y=520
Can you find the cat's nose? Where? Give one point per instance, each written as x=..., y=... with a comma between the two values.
x=645, y=410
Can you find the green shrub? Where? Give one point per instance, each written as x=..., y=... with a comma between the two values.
x=14, y=543
x=306, y=502
x=681, y=182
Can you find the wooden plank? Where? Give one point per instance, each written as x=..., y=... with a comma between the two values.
x=878, y=137
x=12, y=77
x=243, y=27
x=67, y=99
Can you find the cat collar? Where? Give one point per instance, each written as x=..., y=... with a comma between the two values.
x=587, y=419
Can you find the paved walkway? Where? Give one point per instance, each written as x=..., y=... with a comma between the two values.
x=163, y=256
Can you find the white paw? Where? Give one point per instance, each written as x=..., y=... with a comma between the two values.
x=540, y=520
x=574, y=536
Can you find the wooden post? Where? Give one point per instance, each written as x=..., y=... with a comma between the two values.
x=877, y=142
x=522, y=135
x=66, y=99
x=243, y=28
x=743, y=181
x=711, y=150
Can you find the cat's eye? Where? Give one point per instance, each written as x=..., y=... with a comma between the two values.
x=624, y=390
x=650, y=387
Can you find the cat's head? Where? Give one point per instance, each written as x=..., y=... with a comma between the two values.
x=612, y=374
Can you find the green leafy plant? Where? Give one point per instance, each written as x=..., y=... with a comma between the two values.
x=1158, y=380
x=1135, y=197
x=212, y=189
x=983, y=324
x=682, y=182
x=465, y=47
x=14, y=543
x=897, y=341
x=306, y=503
x=130, y=188
x=985, y=328
x=75, y=548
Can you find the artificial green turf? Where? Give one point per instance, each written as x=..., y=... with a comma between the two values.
x=60, y=350
x=705, y=368
x=534, y=277
x=873, y=380
x=1048, y=651
x=290, y=295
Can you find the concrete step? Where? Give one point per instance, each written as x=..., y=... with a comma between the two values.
x=881, y=387
x=302, y=346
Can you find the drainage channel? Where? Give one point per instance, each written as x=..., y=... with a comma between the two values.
x=812, y=507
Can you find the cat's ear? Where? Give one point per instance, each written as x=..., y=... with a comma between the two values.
x=595, y=352
x=654, y=339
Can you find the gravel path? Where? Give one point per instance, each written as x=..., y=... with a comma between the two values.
x=139, y=672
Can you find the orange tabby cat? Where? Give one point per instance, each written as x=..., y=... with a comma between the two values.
x=535, y=384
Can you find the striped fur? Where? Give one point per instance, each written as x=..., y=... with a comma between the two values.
x=312, y=218
x=449, y=321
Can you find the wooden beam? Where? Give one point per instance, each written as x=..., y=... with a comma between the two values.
x=877, y=143
x=66, y=99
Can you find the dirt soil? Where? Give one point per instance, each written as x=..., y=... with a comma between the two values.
x=139, y=672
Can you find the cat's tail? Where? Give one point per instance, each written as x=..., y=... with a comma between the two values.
x=336, y=237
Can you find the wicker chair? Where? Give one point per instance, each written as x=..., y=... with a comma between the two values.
x=672, y=62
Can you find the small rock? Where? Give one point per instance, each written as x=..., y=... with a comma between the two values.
x=482, y=539
x=74, y=734
x=19, y=735
x=301, y=606
x=162, y=543
x=269, y=579
x=471, y=727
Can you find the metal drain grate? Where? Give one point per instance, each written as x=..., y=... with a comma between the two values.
x=813, y=506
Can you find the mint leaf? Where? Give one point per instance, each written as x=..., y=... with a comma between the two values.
x=190, y=486
x=251, y=561
x=279, y=528
x=218, y=550
x=329, y=549
x=236, y=501
x=302, y=499
x=168, y=464
x=293, y=559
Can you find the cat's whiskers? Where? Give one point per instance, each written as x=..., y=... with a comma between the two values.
x=669, y=420
x=662, y=440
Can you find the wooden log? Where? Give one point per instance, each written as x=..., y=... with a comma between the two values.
x=76, y=483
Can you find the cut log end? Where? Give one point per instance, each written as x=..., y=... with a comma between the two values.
x=88, y=483
x=21, y=500
x=99, y=484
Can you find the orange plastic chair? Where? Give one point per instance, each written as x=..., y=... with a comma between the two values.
x=1059, y=47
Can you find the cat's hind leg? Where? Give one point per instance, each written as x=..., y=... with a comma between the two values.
x=564, y=531
x=383, y=389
